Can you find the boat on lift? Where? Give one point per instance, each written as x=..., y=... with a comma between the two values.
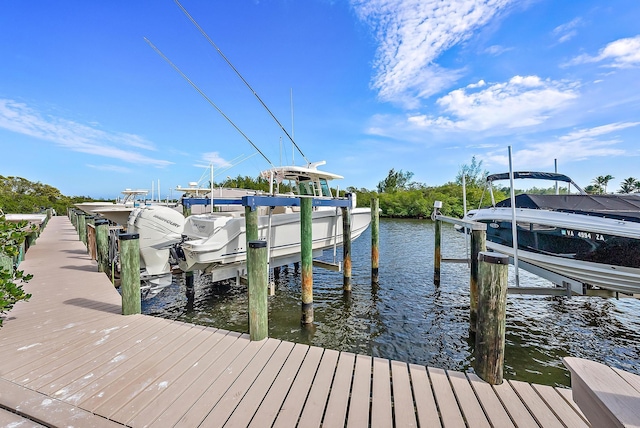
x=592, y=239
x=216, y=242
x=117, y=211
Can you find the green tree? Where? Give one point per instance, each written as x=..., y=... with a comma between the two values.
x=629, y=185
x=11, y=236
x=475, y=175
x=602, y=181
x=396, y=180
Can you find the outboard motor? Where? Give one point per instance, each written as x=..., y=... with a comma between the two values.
x=159, y=228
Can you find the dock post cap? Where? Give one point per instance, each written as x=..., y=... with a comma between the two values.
x=493, y=258
x=128, y=236
x=437, y=204
x=257, y=244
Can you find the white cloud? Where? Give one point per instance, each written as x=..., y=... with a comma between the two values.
x=621, y=53
x=112, y=168
x=575, y=146
x=412, y=34
x=566, y=32
x=496, y=50
x=214, y=158
x=522, y=101
x=18, y=117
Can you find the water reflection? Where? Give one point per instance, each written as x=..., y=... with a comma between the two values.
x=405, y=317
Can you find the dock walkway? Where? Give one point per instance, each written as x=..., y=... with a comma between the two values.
x=68, y=358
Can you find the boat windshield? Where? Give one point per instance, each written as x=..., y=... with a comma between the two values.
x=325, y=187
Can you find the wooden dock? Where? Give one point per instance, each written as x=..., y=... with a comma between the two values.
x=68, y=358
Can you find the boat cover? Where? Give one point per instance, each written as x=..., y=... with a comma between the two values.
x=623, y=207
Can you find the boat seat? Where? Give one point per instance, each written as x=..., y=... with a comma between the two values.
x=608, y=397
x=282, y=210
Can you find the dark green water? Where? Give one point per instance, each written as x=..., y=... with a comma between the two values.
x=407, y=318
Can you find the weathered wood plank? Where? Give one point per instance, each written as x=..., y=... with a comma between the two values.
x=270, y=406
x=514, y=406
x=426, y=408
x=404, y=414
x=336, y=412
x=178, y=369
x=567, y=394
x=446, y=400
x=71, y=371
x=381, y=413
x=41, y=408
x=467, y=400
x=543, y=414
x=225, y=370
x=141, y=376
x=293, y=404
x=561, y=408
x=360, y=402
x=226, y=402
x=490, y=402
x=319, y=392
x=243, y=412
x=173, y=396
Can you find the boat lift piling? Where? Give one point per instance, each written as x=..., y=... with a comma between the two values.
x=375, y=240
x=346, y=249
x=130, y=273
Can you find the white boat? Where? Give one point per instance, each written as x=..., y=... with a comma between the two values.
x=125, y=204
x=216, y=242
x=592, y=239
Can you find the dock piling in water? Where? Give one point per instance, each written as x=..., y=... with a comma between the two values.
x=375, y=239
x=258, y=285
x=492, y=304
x=346, y=249
x=306, y=256
x=478, y=245
x=130, y=273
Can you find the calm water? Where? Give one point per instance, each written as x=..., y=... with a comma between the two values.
x=407, y=318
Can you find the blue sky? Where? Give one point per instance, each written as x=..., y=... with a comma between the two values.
x=87, y=106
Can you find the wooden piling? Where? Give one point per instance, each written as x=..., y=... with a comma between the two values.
x=306, y=256
x=91, y=238
x=130, y=273
x=82, y=228
x=102, y=245
x=437, y=255
x=375, y=239
x=478, y=245
x=492, y=302
x=189, y=285
x=258, y=285
x=346, y=249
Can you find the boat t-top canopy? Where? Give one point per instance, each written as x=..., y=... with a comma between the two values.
x=551, y=176
x=299, y=173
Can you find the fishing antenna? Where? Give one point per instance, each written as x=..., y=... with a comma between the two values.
x=239, y=75
x=184, y=76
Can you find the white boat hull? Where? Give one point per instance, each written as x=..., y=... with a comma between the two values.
x=624, y=279
x=227, y=244
x=615, y=278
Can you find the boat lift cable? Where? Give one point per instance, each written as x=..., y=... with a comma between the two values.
x=206, y=36
x=184, y=76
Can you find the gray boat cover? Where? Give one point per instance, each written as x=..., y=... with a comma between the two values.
x=622, y=207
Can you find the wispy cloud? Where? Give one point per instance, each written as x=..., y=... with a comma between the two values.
x=112, y=168
x=496, y=50
x=622, y=53
x=20, y=118
x=412, y=34
x=522, y=101
x=566, y=32
x=575, y=146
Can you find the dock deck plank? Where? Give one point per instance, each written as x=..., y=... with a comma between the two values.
x=69, y=355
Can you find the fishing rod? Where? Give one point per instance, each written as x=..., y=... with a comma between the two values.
x=206, y=36
x=184, y=76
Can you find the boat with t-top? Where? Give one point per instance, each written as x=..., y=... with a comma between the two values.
x=590, y=238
